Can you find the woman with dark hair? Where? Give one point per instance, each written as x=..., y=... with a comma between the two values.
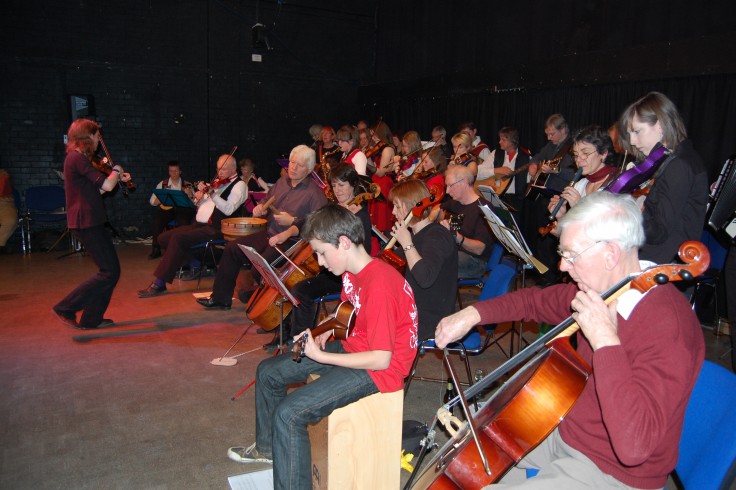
x=592, y=149
x=674, y=208
x=84, y=185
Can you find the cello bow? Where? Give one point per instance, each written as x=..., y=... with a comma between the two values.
x=454, y=458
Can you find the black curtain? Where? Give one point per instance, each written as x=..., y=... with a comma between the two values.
x=707, y=105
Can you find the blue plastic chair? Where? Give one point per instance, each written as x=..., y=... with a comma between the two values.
x=208, y=246
x=480, y=282
x=707, y=459
x=499, y=281
x=46, y=204
x=708, y=443
x=320, y=302
x=710, y=277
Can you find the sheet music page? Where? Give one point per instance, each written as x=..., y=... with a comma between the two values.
x=267, y=273
x=256, y=480
x=510, y=238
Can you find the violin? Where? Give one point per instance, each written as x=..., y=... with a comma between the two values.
x=105, y=165
x=436, y=193
x=374, y=150
x=374, y=192
x=633, y=178
x=465, y=159
x=529, y=406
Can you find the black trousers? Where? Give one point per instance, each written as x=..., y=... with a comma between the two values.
x=177, y=244
x=161, y=217
x=92, y=297
x=306, y=291
x=233, y=259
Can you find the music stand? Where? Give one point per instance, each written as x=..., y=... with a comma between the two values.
x=506, y=230
x=272, y=279
x=173, y=198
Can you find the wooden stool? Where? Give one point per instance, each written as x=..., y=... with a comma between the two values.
x=359, y=445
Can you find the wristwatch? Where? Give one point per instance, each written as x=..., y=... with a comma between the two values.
x=408, y=247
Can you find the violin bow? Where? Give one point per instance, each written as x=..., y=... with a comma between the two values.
x=289, y=260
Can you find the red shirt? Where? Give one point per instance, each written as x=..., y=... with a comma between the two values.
x=387, y=319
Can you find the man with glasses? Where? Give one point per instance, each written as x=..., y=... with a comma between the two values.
x=463, y=217
x=645, y=351
x=556, y=178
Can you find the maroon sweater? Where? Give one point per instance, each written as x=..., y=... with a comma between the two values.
x=629, y=417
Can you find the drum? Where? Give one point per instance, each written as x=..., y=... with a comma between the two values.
x=233, y=228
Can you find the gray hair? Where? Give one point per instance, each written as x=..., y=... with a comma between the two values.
x=608, y=217
x=304, y=154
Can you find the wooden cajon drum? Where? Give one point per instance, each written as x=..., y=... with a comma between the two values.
x=358, y=446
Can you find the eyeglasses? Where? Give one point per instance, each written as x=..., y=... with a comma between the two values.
x=571, y=259
x=456, y=182
x=582, y=156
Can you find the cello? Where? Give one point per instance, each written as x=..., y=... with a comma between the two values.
x=528, y=407
x=262, y=306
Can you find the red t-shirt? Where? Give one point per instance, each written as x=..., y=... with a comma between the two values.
x=386, y=319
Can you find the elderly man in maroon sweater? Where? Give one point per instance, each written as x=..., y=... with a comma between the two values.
x=645, y=351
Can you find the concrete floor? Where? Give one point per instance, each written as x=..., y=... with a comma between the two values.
x=139, y=405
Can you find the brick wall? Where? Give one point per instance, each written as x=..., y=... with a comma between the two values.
x=171, y=80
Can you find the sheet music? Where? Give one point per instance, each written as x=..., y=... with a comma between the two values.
x=267, y=273
x=255, y=480
x=510, y=237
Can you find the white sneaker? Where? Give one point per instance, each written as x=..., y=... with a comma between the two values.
x=247, y=455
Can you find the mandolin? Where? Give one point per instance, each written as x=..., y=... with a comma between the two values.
x=498, y=181
x=341, y=322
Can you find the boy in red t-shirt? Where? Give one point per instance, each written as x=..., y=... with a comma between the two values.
x=376, y=356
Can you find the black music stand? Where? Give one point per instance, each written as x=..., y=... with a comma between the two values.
x=506, y=230
x=272, y=279
x=173, y=198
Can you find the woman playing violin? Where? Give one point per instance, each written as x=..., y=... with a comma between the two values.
x=431, y=256
x=431, y=167
x=380, y=209
x=84, y=186
x=462, y=143
x=592, y=148
x=674, y=209
x=411, y=148
x=364, y=139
